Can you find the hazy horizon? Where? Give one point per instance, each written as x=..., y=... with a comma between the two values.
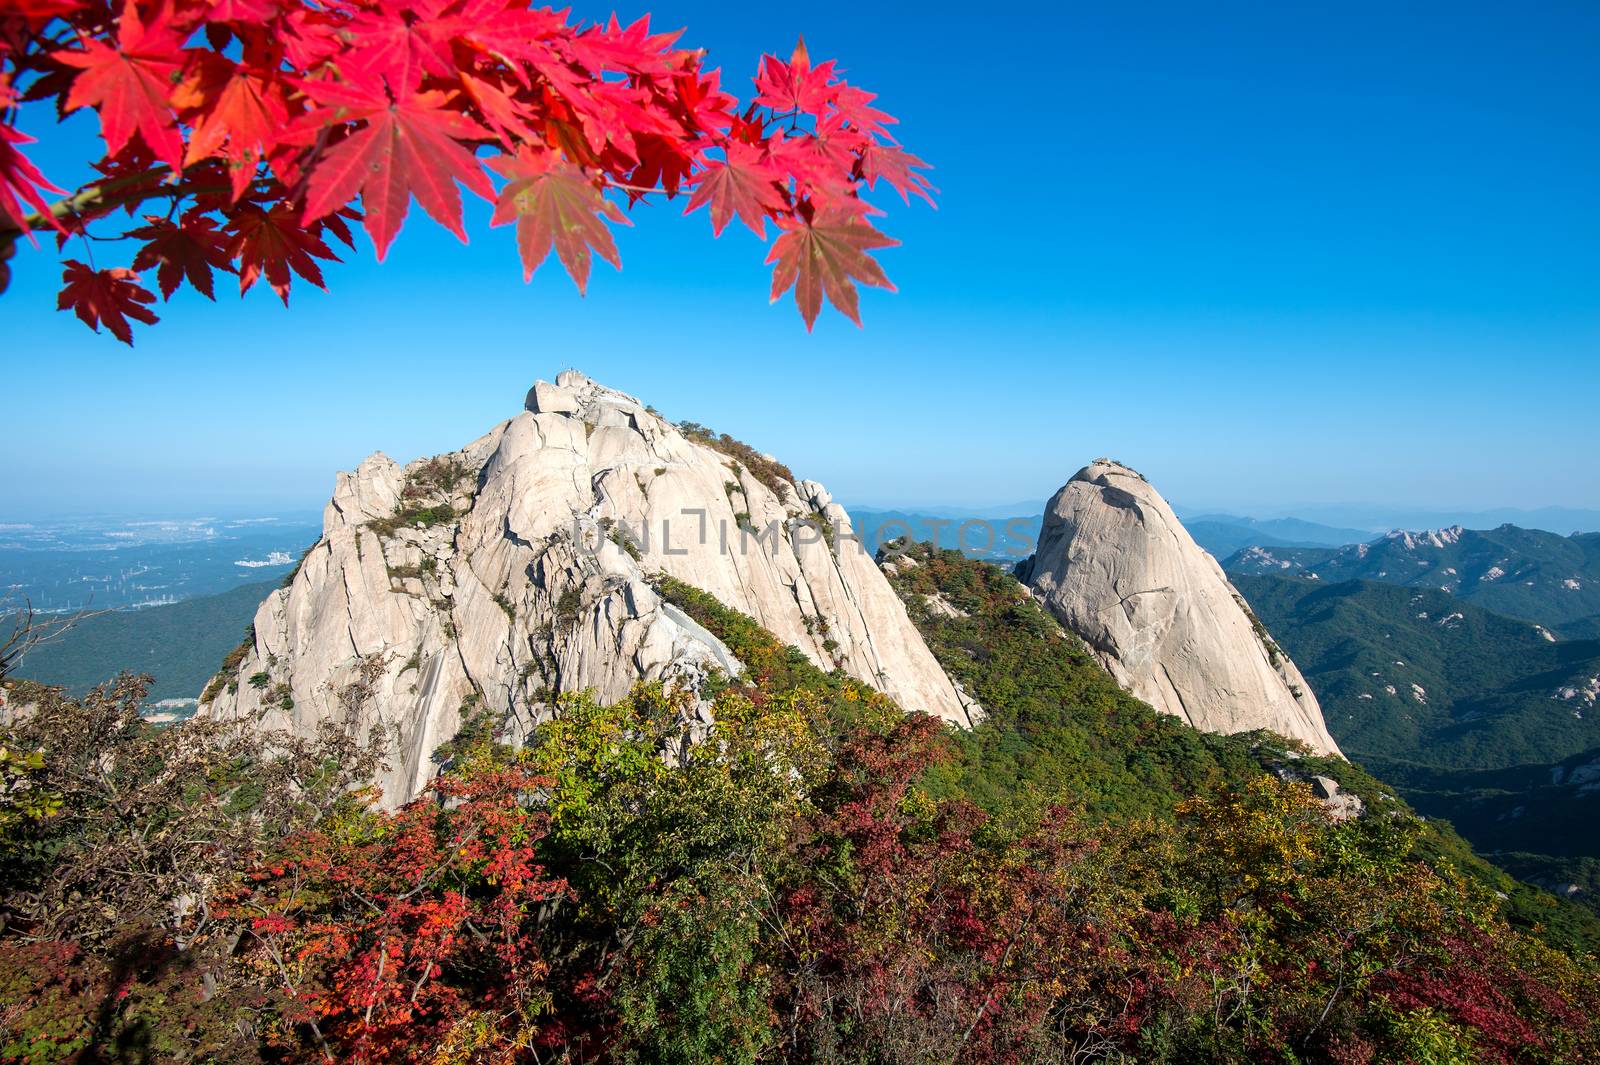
x=1366, y=516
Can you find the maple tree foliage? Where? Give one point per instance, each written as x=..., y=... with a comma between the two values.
x=240, y=135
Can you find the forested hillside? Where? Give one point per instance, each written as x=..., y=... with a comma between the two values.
x=1542, y=808
x=1416, y=674
x=179, y=645
x=1059, y=727
x=1477, y=718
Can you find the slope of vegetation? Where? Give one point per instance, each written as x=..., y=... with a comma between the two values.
x=764, y=468
x=809, y=882
x=1490, y=744
x=1058, y=725
x=1060, y=728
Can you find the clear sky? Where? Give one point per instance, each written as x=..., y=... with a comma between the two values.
x=1270, y=254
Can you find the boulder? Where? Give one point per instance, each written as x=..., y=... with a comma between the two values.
x=1115, y=566
x=546, y=398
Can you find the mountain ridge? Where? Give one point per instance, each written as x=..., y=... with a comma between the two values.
x=1525, y=573
x=493, y=578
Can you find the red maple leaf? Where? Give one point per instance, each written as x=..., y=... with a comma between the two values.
x=899, y=168
x=192, y=249
x=236, y=113
x=272, y=243
x=335, y=225
x=556, y=203
x=243, y=11
x=105, y=297
x=827, y=257
x=822, y=163
x=795, y=85
x=403, y=44
x=634, y=50
x=853, y=105
x=129, y=84
x=505, y=115
x=409, y=147
x=743, y=185
x=513, y=34
x=21, y=182
x=663, y=162
x=704, y=105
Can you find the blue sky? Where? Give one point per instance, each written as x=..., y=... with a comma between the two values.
x=1272, y=255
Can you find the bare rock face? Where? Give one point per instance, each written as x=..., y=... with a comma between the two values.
x=1116, y=566
x=516, y=568
x=12, y=710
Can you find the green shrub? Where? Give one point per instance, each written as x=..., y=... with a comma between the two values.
x=569, y=606
x=408, y=516
x=769, y=472
x=228, y=676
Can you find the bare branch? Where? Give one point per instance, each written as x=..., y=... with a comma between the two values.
x=28, y=630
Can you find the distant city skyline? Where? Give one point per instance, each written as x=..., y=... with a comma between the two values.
x=1275, y=259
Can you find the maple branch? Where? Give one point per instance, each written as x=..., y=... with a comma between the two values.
x=91, y=195
x=613, y=183
x=100, y=194
x=149, y=98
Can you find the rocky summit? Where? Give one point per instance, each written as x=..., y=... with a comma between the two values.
x=1116, y=566
x=491, y=579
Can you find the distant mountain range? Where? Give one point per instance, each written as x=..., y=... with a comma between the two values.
x=1284, y=530
x=1223, y=534
x=1383, y=517
x=1525, y=573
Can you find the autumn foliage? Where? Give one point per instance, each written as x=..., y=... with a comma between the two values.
x=784, y=890
x=812, y=877
x=247, y=137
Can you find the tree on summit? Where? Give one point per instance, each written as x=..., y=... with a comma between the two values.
x=247, y=137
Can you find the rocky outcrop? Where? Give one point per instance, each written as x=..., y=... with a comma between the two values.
x=1341, y=805
x=519, y=567
x=1116, y=566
